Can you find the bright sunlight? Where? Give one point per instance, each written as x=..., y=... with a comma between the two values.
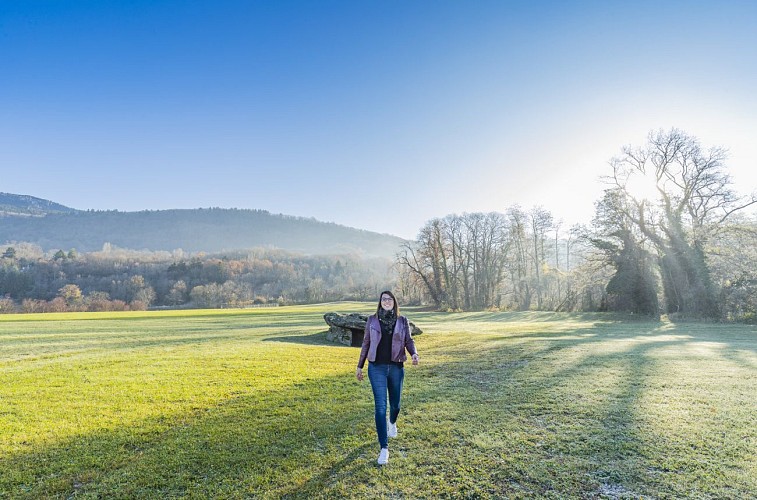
x=642, y=186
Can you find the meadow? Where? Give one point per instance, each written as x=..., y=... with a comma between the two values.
x=257, y=404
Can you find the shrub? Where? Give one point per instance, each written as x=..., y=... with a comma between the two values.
x=7, y=306
x=137, y=305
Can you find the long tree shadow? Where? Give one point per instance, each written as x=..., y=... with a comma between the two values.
x=318, y=338
x=614, y=457
x=537, y=317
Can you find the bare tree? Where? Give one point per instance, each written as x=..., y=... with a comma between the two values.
x=519, y=263
x=690, y=200
x=425, y=259
x=540, y=221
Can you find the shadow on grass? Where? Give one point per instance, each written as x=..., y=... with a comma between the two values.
x=310, y=339
x=533, y=317
x=601, y=436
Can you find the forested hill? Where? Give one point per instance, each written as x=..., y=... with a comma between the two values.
x=207, y=230
x=24, y=205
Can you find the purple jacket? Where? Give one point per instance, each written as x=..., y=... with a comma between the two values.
x=401, y=340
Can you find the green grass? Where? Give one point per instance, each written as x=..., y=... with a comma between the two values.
x=256, y=403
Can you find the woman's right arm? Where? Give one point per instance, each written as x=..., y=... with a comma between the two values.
x=364, y=350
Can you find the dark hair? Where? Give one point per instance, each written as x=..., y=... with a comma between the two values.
x=396, y=307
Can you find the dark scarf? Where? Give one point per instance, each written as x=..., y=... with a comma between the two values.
x=387, y=320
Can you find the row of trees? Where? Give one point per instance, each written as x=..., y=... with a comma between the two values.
x=483, y=260
x=669, y=236
x=116, y=279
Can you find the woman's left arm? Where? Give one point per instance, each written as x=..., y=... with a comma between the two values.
x=410, y=343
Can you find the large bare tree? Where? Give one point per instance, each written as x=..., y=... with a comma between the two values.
x=678, y=195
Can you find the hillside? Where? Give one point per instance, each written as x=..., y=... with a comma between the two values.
x=208, y=230
x=25, y=205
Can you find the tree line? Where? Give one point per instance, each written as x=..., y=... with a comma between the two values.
x=669, y=236
x=515, y=260
x=118, y=279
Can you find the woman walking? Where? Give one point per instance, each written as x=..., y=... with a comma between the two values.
x=387, y=336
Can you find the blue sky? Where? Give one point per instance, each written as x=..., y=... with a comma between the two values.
x=376, y=115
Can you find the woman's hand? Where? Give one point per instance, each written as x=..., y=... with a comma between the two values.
x=359, y=374
x=416, y=358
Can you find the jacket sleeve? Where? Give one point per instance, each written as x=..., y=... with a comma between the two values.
x=409, y=342
x=366, y=344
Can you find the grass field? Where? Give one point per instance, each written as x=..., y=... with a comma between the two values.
x=255, y=403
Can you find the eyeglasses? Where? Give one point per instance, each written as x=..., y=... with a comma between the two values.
x=386, y=299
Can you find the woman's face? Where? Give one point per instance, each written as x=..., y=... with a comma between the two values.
x=387, y=302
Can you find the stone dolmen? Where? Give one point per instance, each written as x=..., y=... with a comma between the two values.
x=348, y=329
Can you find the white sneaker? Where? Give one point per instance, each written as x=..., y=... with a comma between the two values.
x=391, y=430
x=383, y=456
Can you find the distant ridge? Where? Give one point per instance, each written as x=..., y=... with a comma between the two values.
x=29, y=206
x=54, y=226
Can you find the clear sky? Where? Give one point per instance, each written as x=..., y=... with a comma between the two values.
x=376, y=115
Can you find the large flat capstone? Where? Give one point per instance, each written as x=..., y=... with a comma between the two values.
x=349, y=329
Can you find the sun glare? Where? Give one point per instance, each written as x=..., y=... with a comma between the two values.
x=642, y=186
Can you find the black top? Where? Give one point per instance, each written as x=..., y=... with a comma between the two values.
x=387, y=320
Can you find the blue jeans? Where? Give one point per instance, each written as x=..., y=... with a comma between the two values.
x=385, y=378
